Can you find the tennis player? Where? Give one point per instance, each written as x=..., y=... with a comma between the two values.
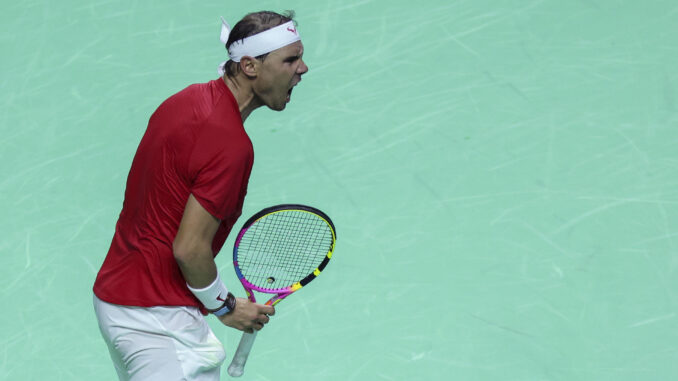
x=185, y=190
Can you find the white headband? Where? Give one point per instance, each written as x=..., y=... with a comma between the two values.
x=258, y=44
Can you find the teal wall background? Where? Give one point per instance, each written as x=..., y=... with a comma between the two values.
x=503, y=176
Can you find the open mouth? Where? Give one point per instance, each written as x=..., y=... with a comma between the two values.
x=289, y=91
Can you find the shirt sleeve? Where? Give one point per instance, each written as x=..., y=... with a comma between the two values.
x=220, y=167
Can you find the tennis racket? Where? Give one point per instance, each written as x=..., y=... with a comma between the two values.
x=278, y=251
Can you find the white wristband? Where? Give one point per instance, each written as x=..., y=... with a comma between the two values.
x=212, y=296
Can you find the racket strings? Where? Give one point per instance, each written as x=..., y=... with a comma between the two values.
x=282, y=248
x=289, y=250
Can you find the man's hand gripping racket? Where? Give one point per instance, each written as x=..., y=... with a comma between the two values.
x=278, y=251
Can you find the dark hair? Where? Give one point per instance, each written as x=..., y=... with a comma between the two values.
x=250, y=25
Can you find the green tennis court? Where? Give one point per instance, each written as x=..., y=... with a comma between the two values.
x=503, y=177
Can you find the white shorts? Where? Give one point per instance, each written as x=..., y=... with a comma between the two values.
x=159, y=343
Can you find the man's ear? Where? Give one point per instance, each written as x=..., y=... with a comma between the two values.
x=249, y=66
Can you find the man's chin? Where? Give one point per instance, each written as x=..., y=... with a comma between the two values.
x=277, y=107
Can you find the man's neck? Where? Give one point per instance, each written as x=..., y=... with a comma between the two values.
x=243, y=95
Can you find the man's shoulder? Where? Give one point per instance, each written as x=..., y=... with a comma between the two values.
x=197, y=92
x=198, y=102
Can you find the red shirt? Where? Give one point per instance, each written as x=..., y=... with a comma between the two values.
x=196, y=144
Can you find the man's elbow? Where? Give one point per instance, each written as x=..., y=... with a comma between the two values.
x=188, y=252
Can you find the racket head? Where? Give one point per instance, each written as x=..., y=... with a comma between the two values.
x=282, y=248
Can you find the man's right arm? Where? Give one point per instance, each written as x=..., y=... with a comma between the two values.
x=193, y=252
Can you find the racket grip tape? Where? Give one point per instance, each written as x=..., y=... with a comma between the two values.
x=237, y=367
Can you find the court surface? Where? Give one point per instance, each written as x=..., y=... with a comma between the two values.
x=503, y=176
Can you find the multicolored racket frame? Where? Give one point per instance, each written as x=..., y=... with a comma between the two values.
x=323, y=224
x=278, y=251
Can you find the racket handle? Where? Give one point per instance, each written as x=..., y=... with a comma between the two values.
x=237, y=367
